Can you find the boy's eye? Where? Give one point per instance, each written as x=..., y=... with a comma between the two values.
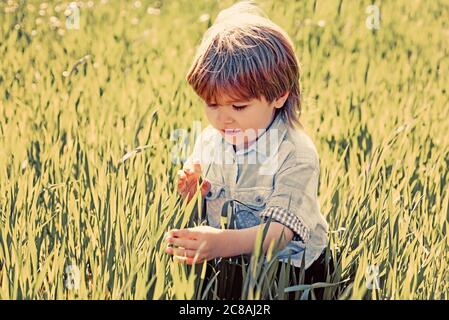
x=235, y=107
x=238, y=108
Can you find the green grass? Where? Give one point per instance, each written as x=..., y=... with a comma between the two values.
x=74, y=102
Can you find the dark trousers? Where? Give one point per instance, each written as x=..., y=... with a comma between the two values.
x=229, y=281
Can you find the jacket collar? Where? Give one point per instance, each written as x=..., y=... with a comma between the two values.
x=268, y=141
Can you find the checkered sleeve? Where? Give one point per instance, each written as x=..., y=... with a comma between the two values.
x=289, y=219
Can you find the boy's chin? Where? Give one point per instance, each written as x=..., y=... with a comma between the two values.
x=239, y=139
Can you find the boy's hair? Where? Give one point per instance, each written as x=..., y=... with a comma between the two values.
x=245, y=55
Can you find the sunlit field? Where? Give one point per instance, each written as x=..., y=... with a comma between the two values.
x=88, y=165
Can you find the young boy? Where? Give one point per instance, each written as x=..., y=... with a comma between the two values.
x=254, y=157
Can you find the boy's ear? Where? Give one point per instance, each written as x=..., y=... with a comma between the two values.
x=279, y=102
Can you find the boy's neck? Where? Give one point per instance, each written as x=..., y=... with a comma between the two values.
x=238, y=148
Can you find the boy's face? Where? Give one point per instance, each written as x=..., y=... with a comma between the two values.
x=240, y=122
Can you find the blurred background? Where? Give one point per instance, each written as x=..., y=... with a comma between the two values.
x=91, y=92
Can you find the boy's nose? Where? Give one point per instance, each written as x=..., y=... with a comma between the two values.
x=224, y=117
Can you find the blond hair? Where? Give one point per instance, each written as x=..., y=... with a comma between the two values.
x=245, y=55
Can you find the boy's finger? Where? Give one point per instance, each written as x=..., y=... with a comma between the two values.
x=188, y=169
x=181, y=252
x=182, y=182
x=182, y=178
x=193, y=169
x=205, y=188
x=182, y=233
x=181, y=174
x=182, y=185
x=181, y=242
x=182, y=188
x=191, y=185
x=192, y=175
x=169, y=233
x=197, y=168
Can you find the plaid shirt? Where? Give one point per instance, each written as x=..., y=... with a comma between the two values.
x=276, y=177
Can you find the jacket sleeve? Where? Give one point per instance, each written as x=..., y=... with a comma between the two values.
x=294, y=201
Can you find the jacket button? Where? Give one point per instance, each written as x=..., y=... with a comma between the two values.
x=209, y=194
x=258, y=199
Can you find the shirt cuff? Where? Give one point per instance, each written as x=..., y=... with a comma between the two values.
x=289, y=219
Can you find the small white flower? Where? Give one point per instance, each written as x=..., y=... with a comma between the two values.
x=204, y=17
x=24, y=164
x=54, y=22
x=321, y=23
x=154, y=11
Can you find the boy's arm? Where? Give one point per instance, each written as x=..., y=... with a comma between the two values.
x=194, y=245
x=241, y=241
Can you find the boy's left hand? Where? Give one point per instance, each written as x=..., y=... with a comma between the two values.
x=195, y=245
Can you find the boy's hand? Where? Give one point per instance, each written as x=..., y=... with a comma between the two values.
x=187, y=180
x=195, y=245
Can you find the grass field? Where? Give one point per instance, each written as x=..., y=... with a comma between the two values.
x=87, y=178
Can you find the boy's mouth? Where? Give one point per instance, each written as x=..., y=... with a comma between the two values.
x=231, y=132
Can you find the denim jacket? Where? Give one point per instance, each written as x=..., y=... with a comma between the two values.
x=276, y=176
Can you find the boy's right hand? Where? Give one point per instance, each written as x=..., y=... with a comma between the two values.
x=187, y=181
